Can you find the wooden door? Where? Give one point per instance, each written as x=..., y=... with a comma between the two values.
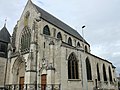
x=43, y=82
x=21, y=83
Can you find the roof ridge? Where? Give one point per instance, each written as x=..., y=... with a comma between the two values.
x=53, y=16
x=58, y=23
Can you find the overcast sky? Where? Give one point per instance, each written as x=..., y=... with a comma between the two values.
x=101, y=18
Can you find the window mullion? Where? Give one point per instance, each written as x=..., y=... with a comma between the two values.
x=74, y=70
x=71, y=70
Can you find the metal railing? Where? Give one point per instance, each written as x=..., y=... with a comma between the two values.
x=32, y=87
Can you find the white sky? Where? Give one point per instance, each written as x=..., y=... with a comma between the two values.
x=101, y=18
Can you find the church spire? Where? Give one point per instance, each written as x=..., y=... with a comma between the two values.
x=5, y=22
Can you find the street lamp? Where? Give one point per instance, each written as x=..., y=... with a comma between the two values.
x=83, y=37
x=84, y=81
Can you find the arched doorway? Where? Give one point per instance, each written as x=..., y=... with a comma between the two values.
x=18, y=71
x=21, y=74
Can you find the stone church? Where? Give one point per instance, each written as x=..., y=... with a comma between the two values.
x=44, y=53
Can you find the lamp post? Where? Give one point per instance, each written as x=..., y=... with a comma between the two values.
x=82, y=67
x=85, y=84
x=83, y=37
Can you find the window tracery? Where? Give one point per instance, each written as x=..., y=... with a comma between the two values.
x=73, y=67
x=25, y=39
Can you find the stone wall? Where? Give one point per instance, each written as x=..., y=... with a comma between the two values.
x=2, y=70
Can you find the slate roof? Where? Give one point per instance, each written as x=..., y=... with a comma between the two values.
x=53, y=20
x=4, y=35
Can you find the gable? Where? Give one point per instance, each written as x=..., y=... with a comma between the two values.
x=26, y=20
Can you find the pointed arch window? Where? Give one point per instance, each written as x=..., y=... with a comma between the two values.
x=86, y=49
x=104, y=73
x=88, y=69
x=73, y=67
x=78, y=44
x=46, y=30
x=98, y=72
x=25, y=39
x=110, y=75
x=59, y=36
x=70, y=41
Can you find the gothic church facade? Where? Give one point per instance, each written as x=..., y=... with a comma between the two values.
x=47, y=54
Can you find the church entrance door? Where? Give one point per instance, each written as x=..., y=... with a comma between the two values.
x=43, y=82
x=21, y=83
